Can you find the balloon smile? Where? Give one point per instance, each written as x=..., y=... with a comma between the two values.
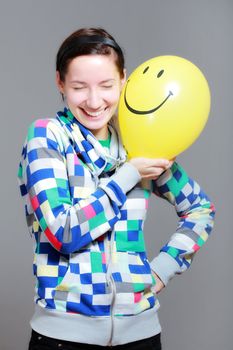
x=135, y=111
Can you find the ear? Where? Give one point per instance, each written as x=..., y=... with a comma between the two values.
x=123, y=80
x=59, y=82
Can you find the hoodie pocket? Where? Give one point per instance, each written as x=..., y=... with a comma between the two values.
x=133, y=279
x=72, y=280
x=132, y=267
x=84, y=289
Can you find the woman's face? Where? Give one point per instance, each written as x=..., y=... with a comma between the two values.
x=92, y=89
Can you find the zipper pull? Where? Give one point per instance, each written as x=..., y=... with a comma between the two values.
x=118, y=163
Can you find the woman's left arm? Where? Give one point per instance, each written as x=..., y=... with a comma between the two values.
x=196, y=214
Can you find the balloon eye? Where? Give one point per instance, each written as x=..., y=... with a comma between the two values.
x=160, y=73
x=146, y=69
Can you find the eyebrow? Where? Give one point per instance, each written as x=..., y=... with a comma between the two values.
x=83, y=82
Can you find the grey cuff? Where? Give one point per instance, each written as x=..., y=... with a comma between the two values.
x=127, y=176
x=165, y=267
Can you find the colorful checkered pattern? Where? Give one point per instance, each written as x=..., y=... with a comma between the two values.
x=194, y=209
x=88, y=231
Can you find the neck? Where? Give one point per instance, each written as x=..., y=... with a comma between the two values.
x=101, y=134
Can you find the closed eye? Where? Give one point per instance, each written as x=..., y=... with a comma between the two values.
x=107, y=86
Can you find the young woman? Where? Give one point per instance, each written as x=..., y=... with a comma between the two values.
x=85, y=207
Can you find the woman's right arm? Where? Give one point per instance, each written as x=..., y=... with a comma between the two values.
x=43, y=177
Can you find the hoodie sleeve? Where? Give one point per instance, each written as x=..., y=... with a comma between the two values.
x=196, y=216
x=44, y=182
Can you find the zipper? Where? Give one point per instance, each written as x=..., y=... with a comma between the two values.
x=118, y=163
x=112, y=308
x=111, y=282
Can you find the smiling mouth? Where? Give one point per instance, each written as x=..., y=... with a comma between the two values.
x=136, y=111
x=94, y=115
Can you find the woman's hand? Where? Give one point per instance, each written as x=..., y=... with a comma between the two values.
x=159, y=284
x=151, y=168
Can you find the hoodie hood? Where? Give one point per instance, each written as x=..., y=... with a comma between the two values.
x=87, y=146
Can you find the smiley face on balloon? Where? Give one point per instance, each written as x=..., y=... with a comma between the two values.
x=163, y=107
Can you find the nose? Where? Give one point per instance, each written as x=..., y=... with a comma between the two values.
x=94, y=99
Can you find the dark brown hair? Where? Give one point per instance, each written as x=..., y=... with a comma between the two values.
x=72, y=47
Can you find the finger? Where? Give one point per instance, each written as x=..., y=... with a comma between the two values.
x=153, y=172
x=157, y=162
x=158, y=289
x=169, y=165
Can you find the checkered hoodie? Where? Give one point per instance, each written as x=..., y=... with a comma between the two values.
x=94, y=283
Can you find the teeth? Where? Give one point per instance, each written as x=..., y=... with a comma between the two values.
x=94, y=114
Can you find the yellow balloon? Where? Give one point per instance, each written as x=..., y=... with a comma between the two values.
x=163, y=107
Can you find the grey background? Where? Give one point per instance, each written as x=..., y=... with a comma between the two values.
x=196, y=308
